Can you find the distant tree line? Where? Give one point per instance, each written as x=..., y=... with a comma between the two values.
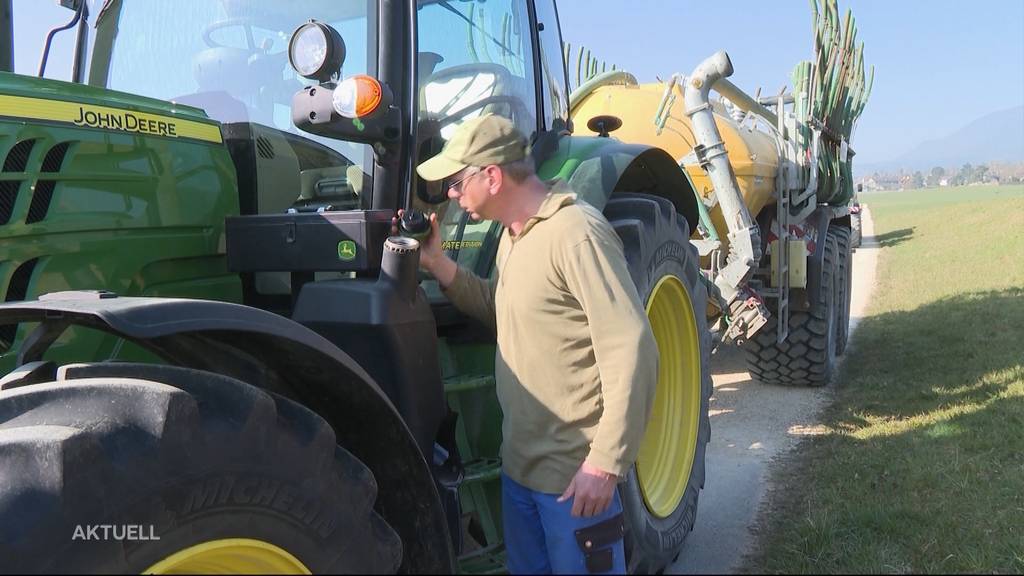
x=993, y=173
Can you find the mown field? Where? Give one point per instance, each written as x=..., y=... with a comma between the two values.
x=921, y=467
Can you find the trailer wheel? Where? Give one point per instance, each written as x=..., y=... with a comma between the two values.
x=181, y=472
x=855, y=229
x=844, y=285
x=660, y=508
x=808, y=356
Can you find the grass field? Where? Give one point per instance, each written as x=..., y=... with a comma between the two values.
x=922, y=465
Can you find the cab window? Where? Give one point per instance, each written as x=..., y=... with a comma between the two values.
x=553, y=75
x=475, y=58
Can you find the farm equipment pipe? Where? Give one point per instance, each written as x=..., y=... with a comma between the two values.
x=744, y=235
x=741, y=99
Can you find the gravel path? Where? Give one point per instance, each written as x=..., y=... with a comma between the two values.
x=752, y=423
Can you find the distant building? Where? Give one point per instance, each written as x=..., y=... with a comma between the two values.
x=881, y=182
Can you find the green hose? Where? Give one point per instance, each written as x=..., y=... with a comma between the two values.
x=830, y=94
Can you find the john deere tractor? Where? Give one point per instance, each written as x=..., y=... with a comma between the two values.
x=214, y=355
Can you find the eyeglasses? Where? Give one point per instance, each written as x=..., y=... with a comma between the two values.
x=457, y=185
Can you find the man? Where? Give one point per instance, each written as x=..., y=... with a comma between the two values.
x=576, y=364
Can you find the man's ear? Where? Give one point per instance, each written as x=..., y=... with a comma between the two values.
x=497, y=177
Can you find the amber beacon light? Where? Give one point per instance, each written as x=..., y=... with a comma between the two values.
x=358, y=96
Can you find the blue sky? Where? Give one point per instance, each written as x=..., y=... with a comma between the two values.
x=939, y=64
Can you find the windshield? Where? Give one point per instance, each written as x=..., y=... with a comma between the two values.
x=228, y=57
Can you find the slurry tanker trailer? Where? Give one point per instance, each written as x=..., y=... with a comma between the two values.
x=775, y=187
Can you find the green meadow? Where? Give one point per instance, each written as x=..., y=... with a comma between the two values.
x=921, y=465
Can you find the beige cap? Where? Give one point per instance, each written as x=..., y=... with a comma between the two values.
x=482, y=141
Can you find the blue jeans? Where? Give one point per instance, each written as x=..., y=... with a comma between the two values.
x=540, y=532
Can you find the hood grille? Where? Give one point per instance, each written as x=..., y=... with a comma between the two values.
x=17, y=158
x=43, y=194
x=16, y=161
x=17, y=290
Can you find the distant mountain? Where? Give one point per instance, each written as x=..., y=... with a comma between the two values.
x=996, y=137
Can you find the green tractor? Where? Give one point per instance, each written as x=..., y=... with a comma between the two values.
x=214, y=357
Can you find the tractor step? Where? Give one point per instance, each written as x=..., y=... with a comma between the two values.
x=482, y=470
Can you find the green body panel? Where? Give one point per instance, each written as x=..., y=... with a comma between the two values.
x=597, y=167
x=141, y=215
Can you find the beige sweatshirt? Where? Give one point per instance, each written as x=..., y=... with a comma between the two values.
x=576, y=366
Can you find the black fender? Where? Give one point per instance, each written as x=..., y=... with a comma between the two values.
x=281, y=356
x=597, y=167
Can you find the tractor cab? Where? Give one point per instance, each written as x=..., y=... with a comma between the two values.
x=439, y=62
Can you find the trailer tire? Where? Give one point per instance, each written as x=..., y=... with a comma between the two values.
x=808, y=355
x=664, y=266
x=855, y=229
x=844, y=285
x=212, y=473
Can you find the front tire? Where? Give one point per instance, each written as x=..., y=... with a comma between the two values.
x=216, y=475
x=660, y=510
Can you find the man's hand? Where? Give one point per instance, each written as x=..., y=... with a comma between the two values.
x=592, y=490
x=432, y=258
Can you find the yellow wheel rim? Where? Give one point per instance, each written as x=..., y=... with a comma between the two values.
x=230, y=556
x=666, y=454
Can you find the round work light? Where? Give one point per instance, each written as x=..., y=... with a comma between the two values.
x=316, y=51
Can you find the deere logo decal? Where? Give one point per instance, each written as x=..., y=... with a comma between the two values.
x=346, y=250
x=107, y=118
x=125, y=121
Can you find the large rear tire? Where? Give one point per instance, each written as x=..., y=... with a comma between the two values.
x=660, y=510
x=807, y=357
x=191, y=471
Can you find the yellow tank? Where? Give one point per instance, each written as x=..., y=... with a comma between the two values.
x=752, y=153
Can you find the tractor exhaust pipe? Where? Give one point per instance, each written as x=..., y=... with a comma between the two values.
x=6, y=36
x=399, y=265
